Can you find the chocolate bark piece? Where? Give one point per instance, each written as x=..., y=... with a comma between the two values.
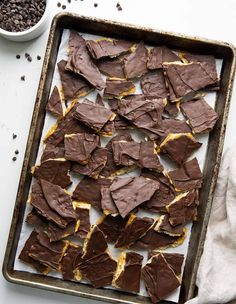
x=159, y=278
x=58, y=199
x=73, y=86
x=187, y=78
x=121, y=123
x=95, y=164
x=70, y=261
x=135, y=64
x=179, y=147
x=80, y=62
x=163, y=225
x=65, y=125
x=56, y=233
x=54, y=105
x=54, y=171
x=154, y=84
x=187, y=177
x=83, y=215
x=156, y=240
x=107, y=203
x=89, y=191
x=107, y=47
x=95, y=243
x=158, y=55
x=93, y=115
x=78, y=147
x=111, y=67
x=24, y=255
x=48, y=254
x=98, y=270
x=125, y=153
x=201, y=116
x=174, y=260
x=130, y=192
x=162, y=196
x=135, y=228
x=112, y=226
x=34, y=218
x=51, y=152
x=38, y=201
x=183, y=208
x=148, y=157
x=118, y=88
x=172, y=108
x=128, y=272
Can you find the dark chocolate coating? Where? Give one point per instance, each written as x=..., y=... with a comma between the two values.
x=135, y=64
x=96, y=244
x=84, y=217
x=133, y=231
x=164, y=226
x=154, y=84
x=72, y=85
x=70, y=262
x=171, y=109
x=148, y=158
x=111, y=67
x=118, y=88
x=129, y=279
x=201, y=116
x=78, y=147
x=98, y=270
x=158, y=55
x=51, y=152
x=93, y=115
x=187, y=177
x=35, y=219
x=54, y=105
x=159, y=278
x=107, y=48
x=130, y=192
x=56, y=233
x=125, y=153
x=80, y=62
x=107, y=202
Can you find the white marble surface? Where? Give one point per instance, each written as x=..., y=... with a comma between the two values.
x=211, y=19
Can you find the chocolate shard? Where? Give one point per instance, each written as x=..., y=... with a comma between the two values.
x=34, y=218
x=162, y=196
x=107, y=48
x=80, y=62
x=89, y=191
x=58, y=199
x=111, y=67
x=174, y=260
x=118, y=88
x=135, y=228
x=73, y=86
x=163, y=225
x=98, y=270
x=158, y=55
x=156, y=240
x=187, y=79
x=148, y=157
x=159, y=278
x=135, y=64
x=24, y=255
x=38, y=201
x=93, y=115
x=82, y=211
x=51, y=152
x=54, y=105
x=125, y=153
x=187, y=177
x=56, y=233
x=95, y=164
x=111, y=226
x=94, y=244
x=154, y=84
x=183, y=208
x=130, y=192
x=78, y=147
x=179, y=147
x=128, y=272
x=70, y=261
x=201, y=116
x=54, y=171
x=107, y=203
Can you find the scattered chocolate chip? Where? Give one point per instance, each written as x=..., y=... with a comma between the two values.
x=27, y=55
x=14, y=136
x=14, y=158
x=118, y=6
x=22, y=78
x=29, y=58
x=95, y=5
x=17, y=56
x=59, y=4
x=39, y=57
x=63, y=7
x=16, y=152
x=69, y=1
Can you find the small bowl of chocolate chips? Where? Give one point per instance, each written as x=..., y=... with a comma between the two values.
x=23, y=20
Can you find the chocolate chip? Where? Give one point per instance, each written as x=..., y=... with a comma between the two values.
x=16, y=152
x=63, y=7
x=27, y=55
x=17, y=56
x=59, y=4
x=14, y=158
x=22, y=78
x=14, y=136
x=119, y=8
x=29, y=58
x=69, y=1
x=39, y=57
x=95, y=4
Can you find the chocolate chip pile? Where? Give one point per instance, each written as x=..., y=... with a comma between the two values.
x=20, y=15
x=170, y=83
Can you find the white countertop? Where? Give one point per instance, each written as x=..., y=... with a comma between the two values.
x=210, y=19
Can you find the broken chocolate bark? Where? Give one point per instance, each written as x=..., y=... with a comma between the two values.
x=107, y=203
x=118, y=88
x=158, y=55
x=125, y=153
x=154, y=84
x=163, y=225
x=34, y=218
x=70, y=261
x=201, y=116
x=111, y=67
x=54, y=105
x=130, y=192
x=51, y=152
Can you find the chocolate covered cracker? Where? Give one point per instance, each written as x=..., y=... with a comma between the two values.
x=80, y=62
x=51, y=152
x=154, y=84
x=128, y=272
x=201, y=116
x=130, y=192
x=70, y=261
x=158, y=55
x=118, y=88
x=54, y=105
x=163, y=225
x=107, y=203
x=111, y=67
x=34, y=218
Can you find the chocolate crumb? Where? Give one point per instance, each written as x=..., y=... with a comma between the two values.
x=14, y=158
x=95, y=4
x=29, y=58
x=59, y=4
x=119, y=8
x=69, y=1
x=16, y=152
x=39, y=57
x=17, y=56
x=27, y=55
x=63, y=7
x=14, y=136
x=22, y=78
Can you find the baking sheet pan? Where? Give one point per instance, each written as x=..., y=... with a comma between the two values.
x=213, y=154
